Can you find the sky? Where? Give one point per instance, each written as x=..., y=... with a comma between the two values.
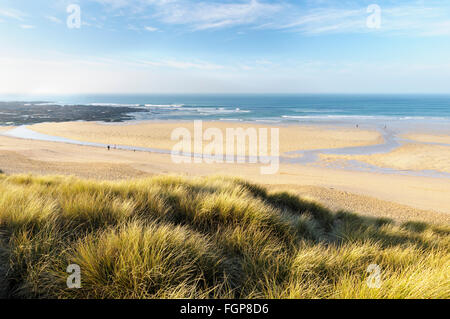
x=228, y=46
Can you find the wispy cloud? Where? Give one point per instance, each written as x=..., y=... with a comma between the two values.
x=27, y=26
x=414, y=20
x=150, y=29
x=201, y=15
x=439, y=29
x=191, y=65
x=213, y=15
x=183, y=65
x=313, y=17
x=417, y=18
x=323, y=20
x=12, y=13
x=54, y=19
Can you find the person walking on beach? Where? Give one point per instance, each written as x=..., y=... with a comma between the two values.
x=109, y=147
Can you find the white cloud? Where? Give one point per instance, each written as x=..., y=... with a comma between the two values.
x=414, y=20
x=201, y=15
x=132, y=27
x=27, y=26
x=150, y=29
x=183, y=65
x=439, y=29
x=192, y=65
x=326, y=20
x=12, y=13
x=213, y=15
x=417, y=18
x=54, y=19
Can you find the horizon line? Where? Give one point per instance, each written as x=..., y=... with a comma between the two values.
x=226, y=93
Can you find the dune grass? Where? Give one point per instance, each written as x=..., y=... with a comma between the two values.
x=170, y=237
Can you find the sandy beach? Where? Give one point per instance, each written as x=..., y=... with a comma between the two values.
x=394, y=196
x=428, y=138
x=416, y=157
x=157, y=134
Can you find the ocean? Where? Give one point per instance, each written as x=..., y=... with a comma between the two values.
x=429, y=110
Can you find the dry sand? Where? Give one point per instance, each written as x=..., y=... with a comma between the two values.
x=394, y=196
x=158, y=135
x=410, y=156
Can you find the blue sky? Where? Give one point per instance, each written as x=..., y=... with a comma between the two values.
x=230, y=46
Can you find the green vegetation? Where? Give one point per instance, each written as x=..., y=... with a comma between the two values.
x=170, y=237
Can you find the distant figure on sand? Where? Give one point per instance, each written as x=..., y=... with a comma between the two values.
x=109, y=147
x=357, y=125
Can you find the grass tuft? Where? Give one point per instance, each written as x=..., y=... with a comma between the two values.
x=171, y=237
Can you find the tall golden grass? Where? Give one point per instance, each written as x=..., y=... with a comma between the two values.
x=170, y=237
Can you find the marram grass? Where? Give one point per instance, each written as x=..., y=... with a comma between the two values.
x=170, y=237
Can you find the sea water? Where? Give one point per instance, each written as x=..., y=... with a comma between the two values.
x=412, y=111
